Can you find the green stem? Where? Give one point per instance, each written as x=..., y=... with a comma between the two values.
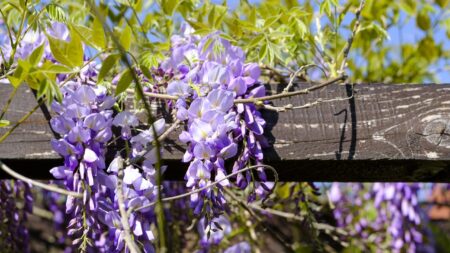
x=5, y=135
x=159, y=207
x=47, y=187
x=18, y=35
x=8, y=103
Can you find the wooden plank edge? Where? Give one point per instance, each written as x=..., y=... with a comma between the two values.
x=291, y=170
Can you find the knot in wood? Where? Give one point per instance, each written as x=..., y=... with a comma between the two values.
x=437, y=131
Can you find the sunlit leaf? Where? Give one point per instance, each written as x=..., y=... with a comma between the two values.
x=124, y=81
x=4, y=123
x=107, y=65
x=125, y=38
x=36, y=56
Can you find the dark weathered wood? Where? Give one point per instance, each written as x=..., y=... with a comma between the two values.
x=382, y=133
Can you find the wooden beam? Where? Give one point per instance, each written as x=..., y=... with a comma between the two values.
x=364, y=132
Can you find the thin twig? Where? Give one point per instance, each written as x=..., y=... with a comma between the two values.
x=350, y=39
x=8, y=103
x=21, y=120
x=259, y=100
x=47, y=187
x=297, y=74
x=291, y=216
x=140, y=157
x=277, y=108
x=11, y=71
x=244, y=205
x=18, y=35
x=157, y=95
x=211, y=185
x=166, y=133
x=305, y=106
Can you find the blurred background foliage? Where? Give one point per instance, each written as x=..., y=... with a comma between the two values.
x=402, y=41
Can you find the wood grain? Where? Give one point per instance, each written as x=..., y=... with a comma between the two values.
x=381, y=133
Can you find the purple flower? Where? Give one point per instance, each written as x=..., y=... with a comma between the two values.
x=242, y=247
x=126, y=120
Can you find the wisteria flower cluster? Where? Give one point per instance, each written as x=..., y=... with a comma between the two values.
x=84, y=122
x=14, y=235
x=393, y=217
x=210, y=74
x=33, y=39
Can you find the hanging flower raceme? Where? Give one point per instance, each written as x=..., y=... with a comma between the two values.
x=396, y=220
x=401, y=210
x=84, y=122
x=138, y=189
x=14, y=235
x=31, y=40
x=210, y=74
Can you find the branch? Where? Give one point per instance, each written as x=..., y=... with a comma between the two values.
x=211, y=185
x=277, y=236
x=47, y=187
x=305, y=106
x=259, y=100
x=296, y=74
x=166, y=133
x=291, y=216
x=162, y=137
x=350, y=40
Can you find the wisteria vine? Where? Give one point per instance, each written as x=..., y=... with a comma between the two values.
x=211, y=96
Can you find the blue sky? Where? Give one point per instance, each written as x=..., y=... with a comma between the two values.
x=408, y=33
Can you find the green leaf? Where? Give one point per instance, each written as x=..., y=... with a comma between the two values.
x=423, y=20
x=276, y=51
x=4, y=123
x=263, y=52
x=222, y=10
x=427, y=48
x=150, y=59
x=125, y=38
x=124, y=82
x=270, y=21
x=107, y=65
x=325, y=7
x=75, y=49
x=211, y=16
x=20, y=73
x=146, y=72
x=57, y=69
x=207, y=44
x=43, y=87
x=68, y=53
x=442, y=3
x=36, y=56
x=252, y=17
x=255, y=41
x=408, y=6
x=98, y=34
x=15, y=82
x=169, y=6
x=85, y=33
x=227, y=37
x=56, y=12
